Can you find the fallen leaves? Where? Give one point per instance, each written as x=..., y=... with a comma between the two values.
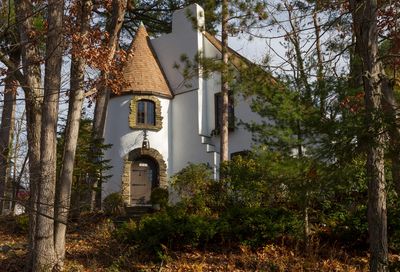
x=90, y=247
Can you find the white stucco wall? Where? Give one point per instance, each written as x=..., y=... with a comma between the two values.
x=184, y=40
x=240, y=139
x=187, y=117
x=186, y=141
x=124, y=139
x=190, y=99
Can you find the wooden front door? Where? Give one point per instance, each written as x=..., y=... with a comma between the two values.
x=141, y=182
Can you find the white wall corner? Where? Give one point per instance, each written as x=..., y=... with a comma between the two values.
x=188, y=19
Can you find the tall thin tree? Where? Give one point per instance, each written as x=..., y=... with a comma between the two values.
x=31, y=83
x=7, y=130
x=224, y=142
x=365, y=21
x=45, y=258
x=76, y=97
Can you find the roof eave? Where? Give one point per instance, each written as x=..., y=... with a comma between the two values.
x=133, y=92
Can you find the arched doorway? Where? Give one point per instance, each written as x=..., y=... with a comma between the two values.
x=144, y=177
x=149, y=163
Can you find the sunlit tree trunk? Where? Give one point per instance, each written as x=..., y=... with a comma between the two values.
x=224, y=142
x=45, y=258
x=33, y=101
x=64, y=185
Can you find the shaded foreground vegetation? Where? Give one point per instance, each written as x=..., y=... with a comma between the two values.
x=251, y=220
x=91, y=246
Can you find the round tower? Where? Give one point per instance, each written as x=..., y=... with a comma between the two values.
x=137, y=126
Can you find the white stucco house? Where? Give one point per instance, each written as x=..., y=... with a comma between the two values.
x=174, y=117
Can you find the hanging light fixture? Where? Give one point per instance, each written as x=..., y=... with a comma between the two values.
x=145, y=143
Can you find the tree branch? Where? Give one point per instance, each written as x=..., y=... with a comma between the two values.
x=15, y=69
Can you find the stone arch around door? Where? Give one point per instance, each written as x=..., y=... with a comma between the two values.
x=136, y=155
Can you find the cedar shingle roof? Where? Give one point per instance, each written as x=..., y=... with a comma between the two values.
x=142, y=71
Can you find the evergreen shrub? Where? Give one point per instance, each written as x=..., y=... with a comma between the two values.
x=255, y=226
x=159, y=196
x=353, y=229
x=113, y=204
x=193, y=184
x=209, y=213
x=175, y=229
x=172, y=228
x=22, y=223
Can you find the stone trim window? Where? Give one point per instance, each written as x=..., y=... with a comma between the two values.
x=145, y=113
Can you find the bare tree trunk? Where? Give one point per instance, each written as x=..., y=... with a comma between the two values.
x=365, y=27
x=63, y=192
x=100, y=111
x=17, y=177
x=294, y=38
x=6, y=135
x=33, y=117
x=103, y=94
x=33, y=103
x=306, y=202
x=224, y=142
x=320, y=67
x=45, y=258
x=306, y=229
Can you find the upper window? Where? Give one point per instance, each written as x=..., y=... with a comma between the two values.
x=218, y=111
x=146, y=112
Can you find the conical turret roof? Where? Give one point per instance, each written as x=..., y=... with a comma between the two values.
x=142, y=71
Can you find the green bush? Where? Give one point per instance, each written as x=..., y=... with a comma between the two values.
x=22, y=223
x=257, y=226
x=353, y=229
x=210, y=212
x=192, y=180
x=126, y=231
x=159, y=196
x=193, y=184
x=245, y=179
x=113, y=204
x=172, y=228
x=393, y=220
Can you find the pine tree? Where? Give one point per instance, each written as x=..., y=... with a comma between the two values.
x=365, y=24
